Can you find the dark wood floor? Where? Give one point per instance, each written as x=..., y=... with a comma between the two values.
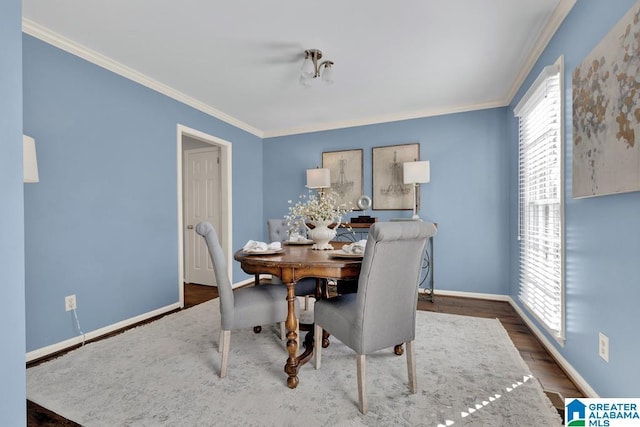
x=553, y=379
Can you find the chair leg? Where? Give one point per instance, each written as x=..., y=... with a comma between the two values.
x=226, y=340
x=220, y=339
x=361, y=363
x=411, y=367
x=317, y=344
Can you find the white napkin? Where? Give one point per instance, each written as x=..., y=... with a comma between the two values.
x=254, y=246
x=355, y=248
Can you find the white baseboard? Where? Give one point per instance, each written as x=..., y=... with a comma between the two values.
x=62, y=345
x=492, y=297
x=248, y=281
x=566, y=366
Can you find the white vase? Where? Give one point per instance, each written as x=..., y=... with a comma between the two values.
x=321, y=234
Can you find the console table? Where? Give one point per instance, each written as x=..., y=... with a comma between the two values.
x=360, y=229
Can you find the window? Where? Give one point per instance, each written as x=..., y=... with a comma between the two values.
x=540, y=200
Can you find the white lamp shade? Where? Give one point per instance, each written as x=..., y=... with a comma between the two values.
x=327, y=74
x=306, y=81
x=308, y=70
x=29, y=160
x=416, y=172
x=318, y=178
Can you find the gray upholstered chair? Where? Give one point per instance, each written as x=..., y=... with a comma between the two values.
x=382, y=313
x=244, y=307
x=278, y=229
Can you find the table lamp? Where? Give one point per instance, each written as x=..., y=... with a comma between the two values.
x=318, y=178
x=416, y=173
x=29, y=160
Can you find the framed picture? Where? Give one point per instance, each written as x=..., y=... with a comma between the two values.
x=389, y=190
x=346, y=175
x=606, y=119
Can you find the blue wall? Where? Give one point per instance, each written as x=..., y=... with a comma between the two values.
x=602, y=233
x=12, y=386
x=467, y=196
x=102, y=222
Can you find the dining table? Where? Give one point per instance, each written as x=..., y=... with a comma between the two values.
x=295, y=261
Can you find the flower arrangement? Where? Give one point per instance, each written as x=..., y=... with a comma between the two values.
x=312, y=208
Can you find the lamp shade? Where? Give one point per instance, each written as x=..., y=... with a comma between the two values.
x=327, y=74
x=416, y=172
x=29, y=160
x=308, y=68
x=318, y=178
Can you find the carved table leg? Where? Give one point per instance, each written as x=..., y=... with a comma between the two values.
x=292, y=365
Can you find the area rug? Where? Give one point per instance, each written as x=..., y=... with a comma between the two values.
x=166, y=373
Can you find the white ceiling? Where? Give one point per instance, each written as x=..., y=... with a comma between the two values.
x=240, y=60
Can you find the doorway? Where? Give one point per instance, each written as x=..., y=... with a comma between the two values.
x=204, y=194
x=201, y=192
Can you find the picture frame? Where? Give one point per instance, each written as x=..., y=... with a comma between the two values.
x=605, y=152
x=346, y=171
x=389, y=190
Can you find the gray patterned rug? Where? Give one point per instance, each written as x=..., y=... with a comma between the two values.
x=165, y=373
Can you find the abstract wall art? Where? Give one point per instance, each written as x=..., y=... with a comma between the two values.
x=606, y=113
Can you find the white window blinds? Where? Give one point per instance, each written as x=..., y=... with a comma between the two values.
x=541, y=207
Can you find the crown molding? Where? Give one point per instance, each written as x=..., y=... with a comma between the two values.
x=61, y=42
x=50, y=37
x=396, y=117
x=559, y=14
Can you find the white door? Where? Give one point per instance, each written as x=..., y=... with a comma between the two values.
x=202, y=202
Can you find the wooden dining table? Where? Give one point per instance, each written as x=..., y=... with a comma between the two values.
x=295, y=262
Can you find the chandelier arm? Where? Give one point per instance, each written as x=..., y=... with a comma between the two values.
x=325, y=64
x=316, y=67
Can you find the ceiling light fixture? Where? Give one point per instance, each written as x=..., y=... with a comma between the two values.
x=312, y=69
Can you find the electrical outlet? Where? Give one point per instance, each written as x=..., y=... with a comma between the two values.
x=603, y=348
x=70, y=303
